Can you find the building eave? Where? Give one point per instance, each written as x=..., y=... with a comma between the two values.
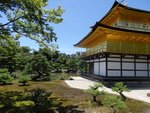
x=117, y=4
x=110, y=28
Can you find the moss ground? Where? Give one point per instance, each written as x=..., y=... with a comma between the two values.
x=76, y=100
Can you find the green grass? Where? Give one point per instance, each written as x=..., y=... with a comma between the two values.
x=76, y=100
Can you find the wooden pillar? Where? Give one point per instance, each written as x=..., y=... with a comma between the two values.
x=106, y=66
x=99, y=66
x=87, y=67
x=148, y=66
x=135, y=66
x=121, y=64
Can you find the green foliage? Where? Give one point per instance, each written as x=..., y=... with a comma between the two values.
x=8, y=51
x=120, y=88
x=59, y=76
x=23, y=103
x=8, y=99
x=32, y=101
x=22, y=57
x=61, y=62
x=38, y=67
x=29, y=18
x=42, y=100
x=24, y=79
x=114, y=102
x=5, y=77
x=94, y=92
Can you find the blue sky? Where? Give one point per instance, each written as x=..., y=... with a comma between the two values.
x=79, y=15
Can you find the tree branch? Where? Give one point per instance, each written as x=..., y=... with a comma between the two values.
x=11, y=21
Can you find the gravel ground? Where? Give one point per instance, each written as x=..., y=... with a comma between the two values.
x=136, y=92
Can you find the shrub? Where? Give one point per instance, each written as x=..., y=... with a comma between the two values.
x=5, y=76
x=114, y=102
x=42, y=100
x=24, y=79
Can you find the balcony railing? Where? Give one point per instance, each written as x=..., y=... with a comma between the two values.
x=118, y=49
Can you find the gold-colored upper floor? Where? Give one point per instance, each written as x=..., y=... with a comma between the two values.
x=121, y=30
x=120, y=46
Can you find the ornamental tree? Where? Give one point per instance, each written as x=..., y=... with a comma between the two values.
x=114, y=103
x=38, y=66
x=24, y=79
x=5, y=77
x=120, y=88
x=94, y=92
x=30, y=19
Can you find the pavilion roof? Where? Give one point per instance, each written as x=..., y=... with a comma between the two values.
x=99, y=30
x=101, y=26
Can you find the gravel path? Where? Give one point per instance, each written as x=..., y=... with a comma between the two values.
x=138, y=93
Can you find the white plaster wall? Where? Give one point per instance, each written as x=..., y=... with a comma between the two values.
x=91, y=60
x=141, y=66
x=127, y=59
x=129, y=56
x=103, y=68
x=103, y=59
x=141, y=60
x=114, y=59
x=114, y=65
x=96, y=60
x=141, y=73
x=127, y=65
x=115, y=55
x=96, y=68
x=128, y=73
x=114, y=73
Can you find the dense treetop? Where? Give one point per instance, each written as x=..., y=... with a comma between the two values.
x=28, y=18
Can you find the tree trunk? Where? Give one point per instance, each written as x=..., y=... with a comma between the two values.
x=94, y=99
x=3, y=83
x=24, y=83
x=114, y=110
x=123, y=96
x=38, y=76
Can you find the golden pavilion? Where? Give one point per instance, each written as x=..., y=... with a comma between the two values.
x=118, y=46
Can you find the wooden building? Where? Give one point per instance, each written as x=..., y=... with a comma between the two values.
x=118, y=46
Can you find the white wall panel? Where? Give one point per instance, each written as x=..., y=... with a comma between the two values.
x=114, y=65
x=141, y=66
x=96, y=60
x=96, y=68
x=114, y=59
x=91, y=60
x=127, y=60
x=141, y=60
x=103, y=68
x=103, y=59
x=127, y=65
x=114, y=73
x=115, y=55
x=129, y=56
x=128, y=73
x=141, y=73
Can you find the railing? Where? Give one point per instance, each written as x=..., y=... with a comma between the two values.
x=118, y=49
x=91, y=51
x=133, y=26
